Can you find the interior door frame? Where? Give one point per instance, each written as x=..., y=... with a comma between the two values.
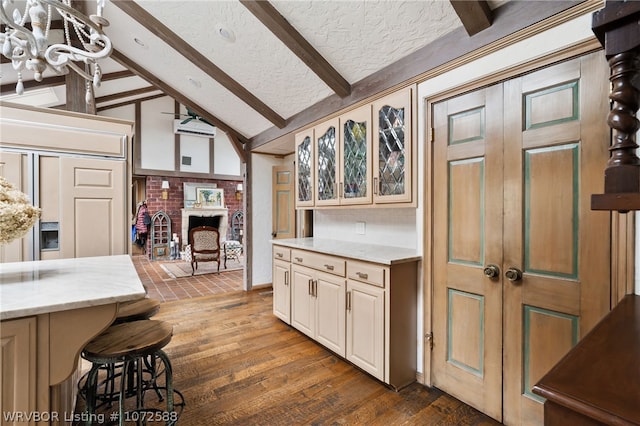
x=623, y=225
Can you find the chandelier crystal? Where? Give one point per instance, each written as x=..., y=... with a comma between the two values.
x=84, y=40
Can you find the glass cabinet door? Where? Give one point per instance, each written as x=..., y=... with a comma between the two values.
x=326, y=163
x=392, y=156
x=304, y=169
x=355, y=164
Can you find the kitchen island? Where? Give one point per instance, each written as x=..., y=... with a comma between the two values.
x=49, y=309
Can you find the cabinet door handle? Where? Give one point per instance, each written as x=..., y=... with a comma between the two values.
x=329, y=267
x=349, y=301
x=279, y=254
x=298, y=259
x=286, y=277
x=375, y=186
x=362, y=275
x=310, y=287
x=341, y=193
x=315, y=288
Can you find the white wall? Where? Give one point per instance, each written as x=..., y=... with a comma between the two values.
x=156, y=139
x=387, y=226
x=224, y=152
x=261, y=216
x=196, y=147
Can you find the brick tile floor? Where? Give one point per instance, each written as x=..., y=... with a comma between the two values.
x=161, y=286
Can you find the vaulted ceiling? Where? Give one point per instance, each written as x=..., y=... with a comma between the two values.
x=259, y=70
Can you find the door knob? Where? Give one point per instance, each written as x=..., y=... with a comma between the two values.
x=491, y=271
x=513, y=274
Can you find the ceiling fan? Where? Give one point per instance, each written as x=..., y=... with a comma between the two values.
x=191, y=116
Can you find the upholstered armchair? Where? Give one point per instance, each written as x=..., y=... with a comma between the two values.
x=205, y=246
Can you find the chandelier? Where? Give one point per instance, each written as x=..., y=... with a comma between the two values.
x=84, y=41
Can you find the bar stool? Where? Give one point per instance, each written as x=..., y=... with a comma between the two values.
x=137, y=310
x=130, y=343
x=133, y=310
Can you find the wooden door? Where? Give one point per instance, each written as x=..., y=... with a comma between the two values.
x=329, y=292
x=467, y=305
x=94, y=220
x=283, y=214
x=555, y=154
x=514, y=168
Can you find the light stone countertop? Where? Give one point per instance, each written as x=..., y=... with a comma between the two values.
x=43, y=286
x=386, y=255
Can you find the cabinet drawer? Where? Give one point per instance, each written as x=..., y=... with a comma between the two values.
x=321, y=262
x=282, y=253
x=366, y=272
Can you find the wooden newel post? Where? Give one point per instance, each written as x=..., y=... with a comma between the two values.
x=617, y=26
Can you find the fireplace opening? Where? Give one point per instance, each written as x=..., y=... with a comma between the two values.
x=195, y=221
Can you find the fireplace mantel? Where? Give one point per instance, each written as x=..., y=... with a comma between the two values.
x=205, y=212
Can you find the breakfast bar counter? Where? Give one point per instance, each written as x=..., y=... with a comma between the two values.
x=49, y=309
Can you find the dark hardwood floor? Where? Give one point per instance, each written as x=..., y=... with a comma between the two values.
x=237, y=364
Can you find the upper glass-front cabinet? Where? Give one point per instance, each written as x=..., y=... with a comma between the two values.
x=392, y=149
x=304, y=169
x=362, y=157
x=326, y=163
x=355, y=156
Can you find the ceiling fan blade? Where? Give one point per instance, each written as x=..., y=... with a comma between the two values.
x=186, y=120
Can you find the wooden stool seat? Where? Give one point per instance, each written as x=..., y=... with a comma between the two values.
x=128, y=351
x=137, y=310
x=129, y=340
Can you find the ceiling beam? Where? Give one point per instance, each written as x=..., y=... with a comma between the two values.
x=510, y=18
x=185, y=49
x=130, y=102
x=281, y=28
x=475, y=15
x=58, y=80
x=10, y=88
x=127, y=94
x=176, y=95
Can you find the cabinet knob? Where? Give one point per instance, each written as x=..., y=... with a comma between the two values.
x=491, y=271
x=298, y=259
x=279, y=254
x=513, y=274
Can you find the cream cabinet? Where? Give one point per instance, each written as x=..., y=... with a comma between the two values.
x=355, y=156
x=318, y=299
x=365, y=327
x=393, y=148
x=18, y=366
x=281, y=283
x=363, y=311
x=326, y=163
x=305, y=170
x=362, y=157
x=74, y=167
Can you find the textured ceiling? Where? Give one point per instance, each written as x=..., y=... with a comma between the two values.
x=358, y=38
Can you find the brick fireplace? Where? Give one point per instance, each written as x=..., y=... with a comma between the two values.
x=199, y=217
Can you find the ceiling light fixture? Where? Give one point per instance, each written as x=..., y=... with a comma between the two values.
x=225, y=33
x=194, y=82
x=140, y=43
x=32, y=49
